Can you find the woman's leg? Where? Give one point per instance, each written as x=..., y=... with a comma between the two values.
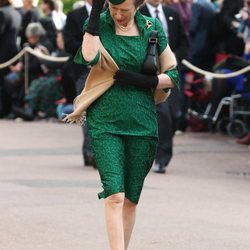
x=140, y=153
x=129, y=214
x=108, y=150
x=114, y=214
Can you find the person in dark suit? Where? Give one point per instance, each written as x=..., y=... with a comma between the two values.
x=74, y=75
x=169, y=111
x=10, y=22
x=202, y=15
x=30, y=15
x=73, y=40
x=47, y=7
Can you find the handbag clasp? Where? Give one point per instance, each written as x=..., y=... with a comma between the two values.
x=153, y=40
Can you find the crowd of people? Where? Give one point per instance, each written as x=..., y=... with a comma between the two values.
x=134, y=102
x=212, y=35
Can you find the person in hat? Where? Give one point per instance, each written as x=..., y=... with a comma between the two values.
x=119, y=101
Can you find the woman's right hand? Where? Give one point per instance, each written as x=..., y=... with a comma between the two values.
x=94, y=19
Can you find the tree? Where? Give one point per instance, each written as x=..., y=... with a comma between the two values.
x=68, y=5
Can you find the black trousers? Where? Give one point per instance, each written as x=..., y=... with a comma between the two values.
x=5, y=101
x=86, y=148
x=168, y=114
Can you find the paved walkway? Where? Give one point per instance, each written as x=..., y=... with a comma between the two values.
x=48, y=199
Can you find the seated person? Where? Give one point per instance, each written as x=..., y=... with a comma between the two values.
x=226, y=87
x=46, y=92
x=14, y=81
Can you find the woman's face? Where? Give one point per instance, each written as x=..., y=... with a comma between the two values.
x=122, y=14
x=26, y=4
x=33, y=40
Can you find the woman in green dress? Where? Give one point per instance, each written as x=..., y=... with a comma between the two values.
x=122, y=121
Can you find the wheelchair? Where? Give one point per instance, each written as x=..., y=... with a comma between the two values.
x=233, y=112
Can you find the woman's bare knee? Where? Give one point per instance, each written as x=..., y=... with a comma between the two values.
x=115, y=199
x=129, y=203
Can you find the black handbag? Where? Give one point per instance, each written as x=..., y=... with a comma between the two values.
x=151, y=63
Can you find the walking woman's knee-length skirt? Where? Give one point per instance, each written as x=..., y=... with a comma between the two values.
x=123, y=134
x=123, y=163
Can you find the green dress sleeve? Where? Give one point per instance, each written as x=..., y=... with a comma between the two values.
x=174, y=75
x=79, y=57
x=163, y=43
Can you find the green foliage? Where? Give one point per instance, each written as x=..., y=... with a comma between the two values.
x=67, y=5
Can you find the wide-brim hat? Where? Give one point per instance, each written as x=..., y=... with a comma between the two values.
x=116, y=2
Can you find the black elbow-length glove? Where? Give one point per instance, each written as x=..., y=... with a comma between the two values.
x=125, y=77
x=94, y=18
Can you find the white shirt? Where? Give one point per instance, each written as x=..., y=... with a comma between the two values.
x=88, y=7
x=59, y=19
x=161, y=15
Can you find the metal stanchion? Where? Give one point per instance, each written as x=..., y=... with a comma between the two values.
x=26, y=72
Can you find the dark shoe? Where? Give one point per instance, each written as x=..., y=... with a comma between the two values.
x=245, y=140
x=159, y=168
x=24, y=113
x=89, y=161
x=10, y=116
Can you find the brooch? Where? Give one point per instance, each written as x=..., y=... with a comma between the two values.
x=148, y=24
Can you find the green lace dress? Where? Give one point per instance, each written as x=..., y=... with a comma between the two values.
x=122, y=122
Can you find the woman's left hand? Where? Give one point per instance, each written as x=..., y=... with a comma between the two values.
x=125, y=77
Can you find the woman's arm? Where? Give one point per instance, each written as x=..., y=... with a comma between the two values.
x=90, y=46
x=91, y=41
x=164, y=82
x=169, y=77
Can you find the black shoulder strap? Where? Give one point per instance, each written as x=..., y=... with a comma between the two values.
x=153, y=39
